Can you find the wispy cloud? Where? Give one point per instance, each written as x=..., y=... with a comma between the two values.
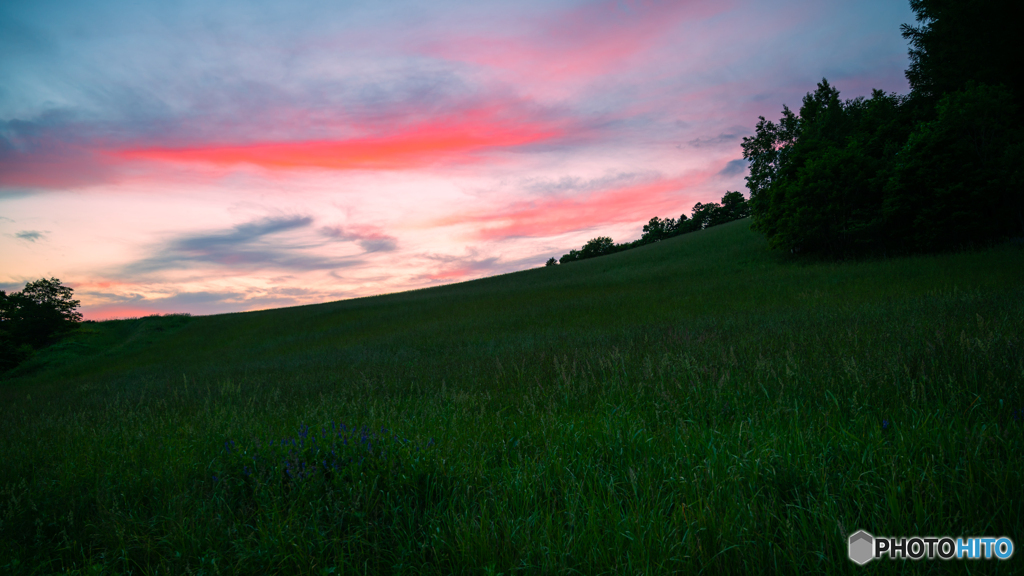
x=473, y=263
x=734, y=168
x=729, y=138
x=111, y=306
x=575, y=44
x=370, y=238
x=549, y=216
x=250, y=246
x=29, y=235
x=577, y=185
x=461, y=268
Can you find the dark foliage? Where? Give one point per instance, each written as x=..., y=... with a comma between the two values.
x=958, y=42
x=733, y=207
x=932, y=170
x=958, y=178
x=36, y=317
x=817, y=178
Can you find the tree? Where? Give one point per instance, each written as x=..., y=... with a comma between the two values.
x=937, y=169
x=958, y=178
x=12, y=352
x=960, y=42
x=551, y=261
x=597, y=247
x=40, y=314
x=824, y=194
x=768, y=153
x=704, y=215
x=657, y=229
x=734, y=207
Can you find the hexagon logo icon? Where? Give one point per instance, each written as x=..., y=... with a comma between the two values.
x=861, y=547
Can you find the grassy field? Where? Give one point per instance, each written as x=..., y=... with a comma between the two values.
x=693, y=406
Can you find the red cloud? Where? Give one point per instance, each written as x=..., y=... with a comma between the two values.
x=457, y=140
x=552, y=216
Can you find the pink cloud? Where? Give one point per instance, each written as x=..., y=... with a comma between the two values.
x=56, y=167
x=458, y=140
x=101, y=284
x=371, y=238
x=451, y=274
x=552, y=216
x=586, y=42
x=407, y=137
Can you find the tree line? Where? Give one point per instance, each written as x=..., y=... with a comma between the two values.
x=733, y=207
x=33, y=318
x=938, y=168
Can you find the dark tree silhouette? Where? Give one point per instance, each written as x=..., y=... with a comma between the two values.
x=959, y=177
x=733, y=207
x=957, y=42
x=937, y=169
x=35, y=317
x=657, y=229
x=597, y=247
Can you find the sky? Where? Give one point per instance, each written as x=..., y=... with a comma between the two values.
x=209, y=157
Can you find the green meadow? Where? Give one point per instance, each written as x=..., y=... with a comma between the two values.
x=698, y=405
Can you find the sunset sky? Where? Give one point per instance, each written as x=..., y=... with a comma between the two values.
x=214, y=157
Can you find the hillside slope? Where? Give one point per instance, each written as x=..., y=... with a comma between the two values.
x=694, y=405
x=722, y=271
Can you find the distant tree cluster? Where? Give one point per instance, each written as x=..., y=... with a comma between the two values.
x=34, y=318
x=733, y=207
x=939, y=168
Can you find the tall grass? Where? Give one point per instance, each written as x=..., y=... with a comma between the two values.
x=694, y=406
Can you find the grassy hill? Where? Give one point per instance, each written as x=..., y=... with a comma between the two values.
x=694, y=404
